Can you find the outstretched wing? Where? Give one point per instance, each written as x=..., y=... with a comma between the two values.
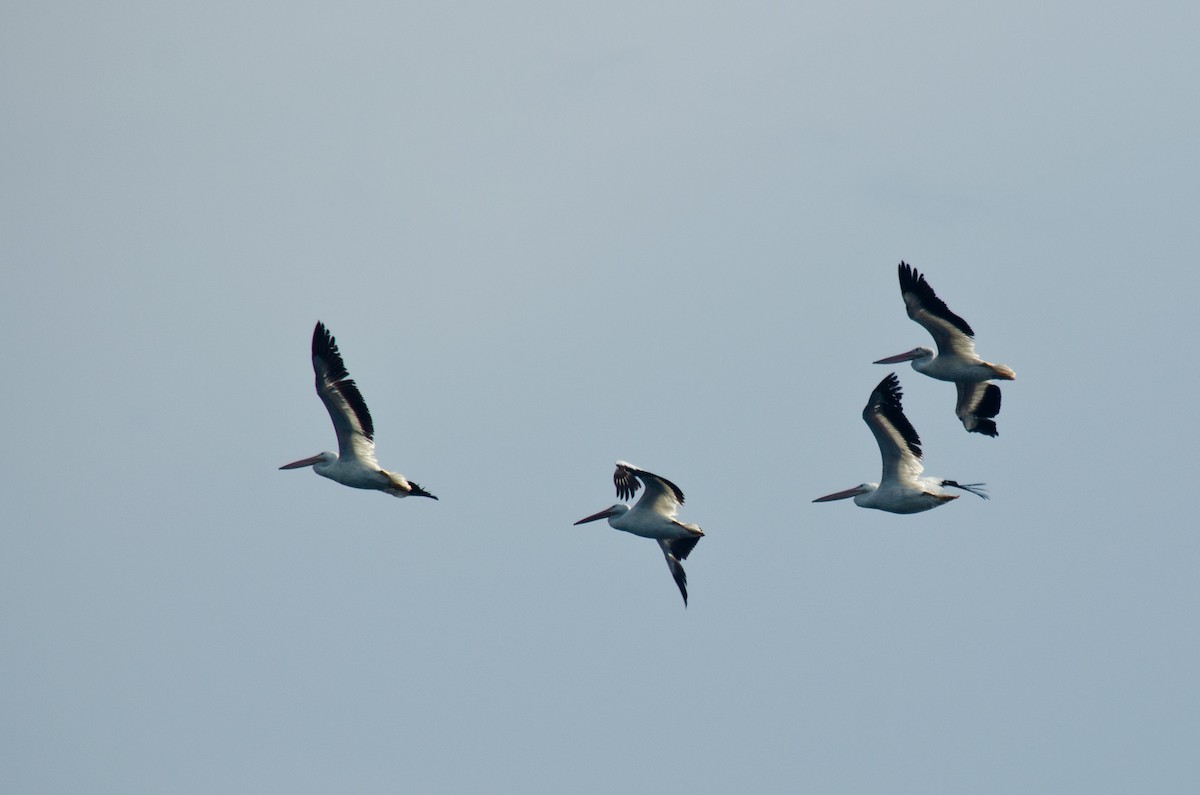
x=978, y=403
x=952, y=334
x=899, y=445
x=676, y=550
x=661, y=496
x=339, y=393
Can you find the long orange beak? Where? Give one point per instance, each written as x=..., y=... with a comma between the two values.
x=607, y=512
x=899, y=357
x=304, y=462
x=842, y=495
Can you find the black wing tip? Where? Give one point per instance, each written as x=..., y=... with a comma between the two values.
x=324, y=347
x=912, y=280
x=888, y=396
x=681, y=580
x=985, y=427
x=625, y=479
x=675, y=550
x=322, y=341
x=888, y=391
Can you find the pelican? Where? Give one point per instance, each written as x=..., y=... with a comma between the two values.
x=956, y=360
x=653, y=516
x=902, y=489
x=354, y=464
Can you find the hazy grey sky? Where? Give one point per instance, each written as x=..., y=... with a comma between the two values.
x=550, y=236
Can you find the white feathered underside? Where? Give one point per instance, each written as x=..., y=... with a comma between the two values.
x=899, y=463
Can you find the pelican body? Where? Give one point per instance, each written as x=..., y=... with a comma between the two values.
x=978, y=401
x=901, y=489
x=354, y=464
x=652, y=516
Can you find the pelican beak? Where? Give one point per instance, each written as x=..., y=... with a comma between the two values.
x=304, y=462
x=607, y=512
x=842, y=495
x=900, y=357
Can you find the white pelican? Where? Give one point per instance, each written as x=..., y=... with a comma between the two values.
x=354, y=464
x=956, y=360
x=653, y=516
x=902, y=489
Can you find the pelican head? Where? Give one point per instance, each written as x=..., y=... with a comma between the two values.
x=915, y=355
x=617, y=510
x=858, y=491
x=312, y=461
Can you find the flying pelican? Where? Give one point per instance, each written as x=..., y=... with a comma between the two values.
x=653, y=516
x=902, y=489
x=956, y=360
x=354, y=465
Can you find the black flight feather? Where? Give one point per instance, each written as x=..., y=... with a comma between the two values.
x=989, y=406
x=324, y=347
x=682, y=547
x=913, y=282
x=886, y=398
x=625, y=479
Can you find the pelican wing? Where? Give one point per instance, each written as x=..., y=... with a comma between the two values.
x=978, y=402
x=676, y=550
x=661, y=496
x=339, y=393
x=899, y=445
x=952, y=334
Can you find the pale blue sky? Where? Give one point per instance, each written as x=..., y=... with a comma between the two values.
x=547, y=237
